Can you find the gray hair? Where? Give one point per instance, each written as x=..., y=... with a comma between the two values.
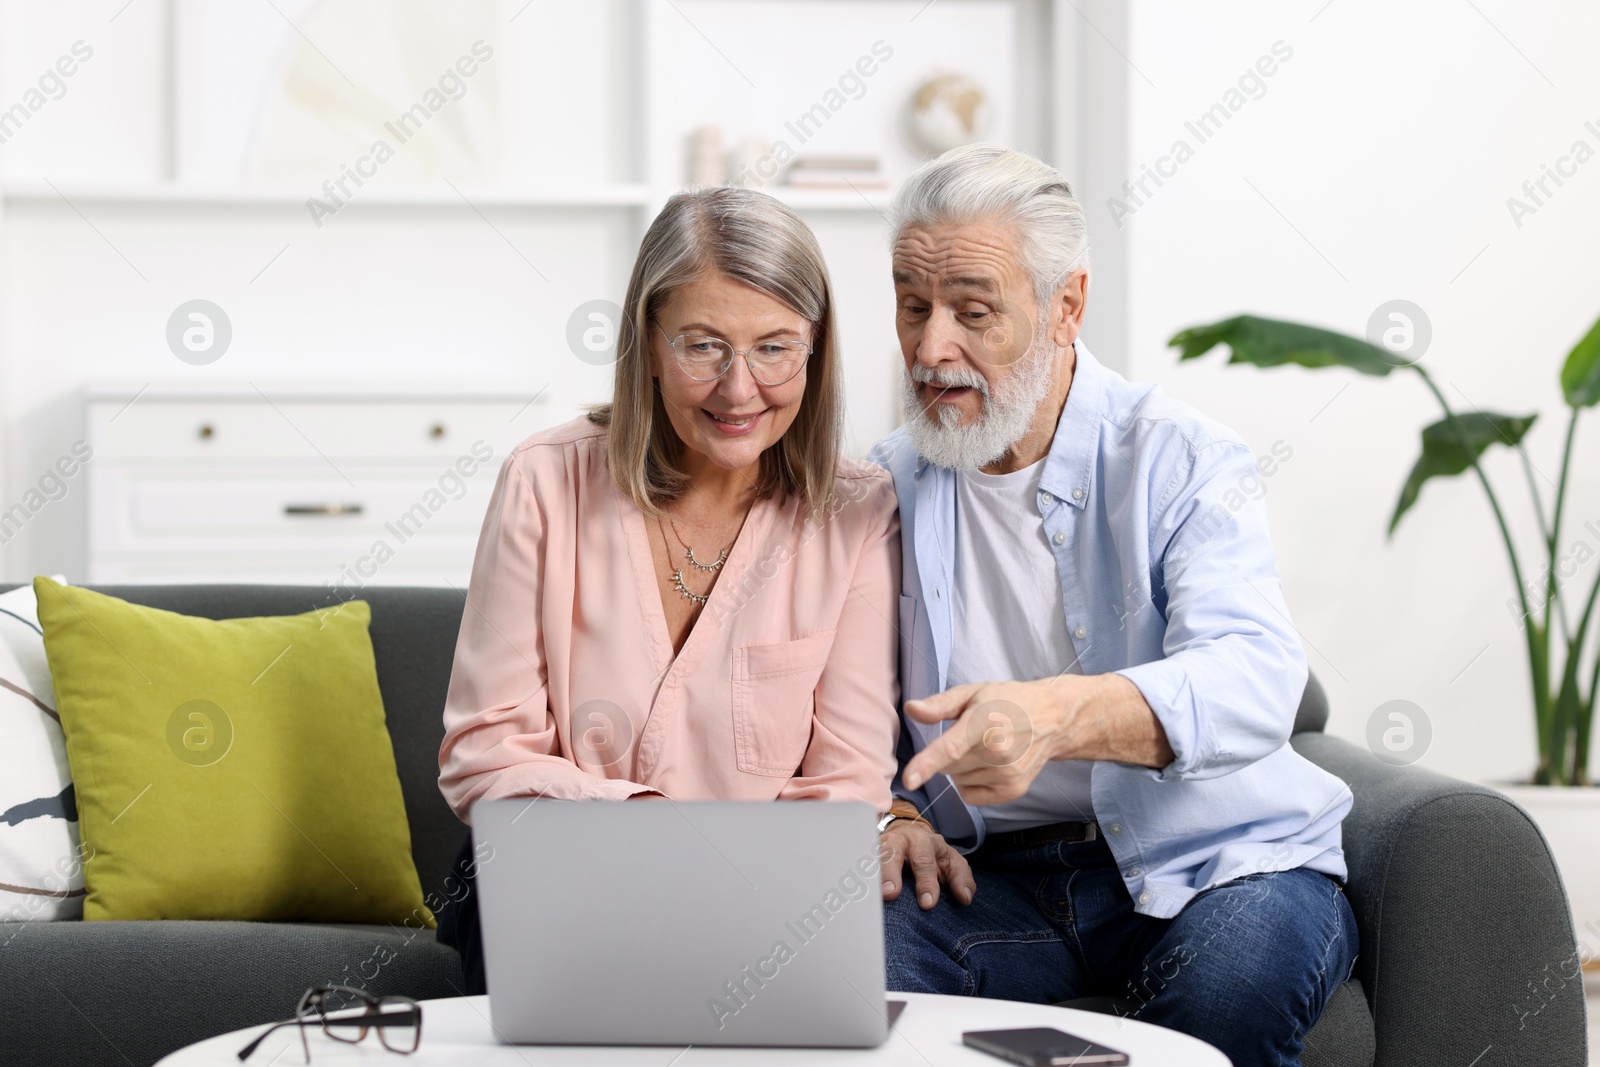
x=986, y=181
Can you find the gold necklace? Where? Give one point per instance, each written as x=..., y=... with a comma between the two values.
x=711, y=568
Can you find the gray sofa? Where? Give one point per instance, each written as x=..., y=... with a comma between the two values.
x=1466, y=937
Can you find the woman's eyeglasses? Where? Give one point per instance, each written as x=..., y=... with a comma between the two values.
x=346, y=1014
x=705, y=358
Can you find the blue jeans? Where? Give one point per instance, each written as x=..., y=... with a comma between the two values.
x=1247, y=966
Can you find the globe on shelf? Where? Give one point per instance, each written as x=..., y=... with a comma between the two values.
x=947, y=111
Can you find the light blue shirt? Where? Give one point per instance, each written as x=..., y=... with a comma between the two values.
x=1167, y=578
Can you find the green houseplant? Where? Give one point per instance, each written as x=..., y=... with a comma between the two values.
x=1563, y=700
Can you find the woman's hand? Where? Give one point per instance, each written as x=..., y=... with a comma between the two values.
x=933, y=860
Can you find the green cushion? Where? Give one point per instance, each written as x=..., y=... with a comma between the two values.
x=233, y=769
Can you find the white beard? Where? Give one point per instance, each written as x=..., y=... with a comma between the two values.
x=1006, y=416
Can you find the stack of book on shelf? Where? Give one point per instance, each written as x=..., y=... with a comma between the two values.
x=836, y=172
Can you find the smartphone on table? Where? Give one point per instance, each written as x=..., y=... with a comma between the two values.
x=1041, y=1046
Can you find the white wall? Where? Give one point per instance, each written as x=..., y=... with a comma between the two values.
x=1390, y=141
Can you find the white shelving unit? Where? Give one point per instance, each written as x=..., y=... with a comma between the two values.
x=1033, y=41
x=413, y=278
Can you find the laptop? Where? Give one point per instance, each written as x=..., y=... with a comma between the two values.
x=682, y=923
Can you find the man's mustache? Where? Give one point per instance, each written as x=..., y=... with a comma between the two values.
x=951, y=377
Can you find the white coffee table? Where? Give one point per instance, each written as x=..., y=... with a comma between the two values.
x=927, y=1034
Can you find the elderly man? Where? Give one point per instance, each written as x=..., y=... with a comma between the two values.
x=1099, y=669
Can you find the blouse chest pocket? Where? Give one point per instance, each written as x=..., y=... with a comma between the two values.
x=774, y=686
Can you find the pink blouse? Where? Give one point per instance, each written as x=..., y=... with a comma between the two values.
x=565, y=684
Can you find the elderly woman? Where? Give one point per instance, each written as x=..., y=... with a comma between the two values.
x=688, y=593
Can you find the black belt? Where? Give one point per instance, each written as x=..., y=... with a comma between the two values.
x=1038, y=836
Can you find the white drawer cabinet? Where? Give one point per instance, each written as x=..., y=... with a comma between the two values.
x=298, y=430
x=278, y=485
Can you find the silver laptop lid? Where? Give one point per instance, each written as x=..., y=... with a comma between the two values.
x=694, y=923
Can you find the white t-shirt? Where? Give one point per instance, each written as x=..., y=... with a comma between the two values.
x=1009, y=624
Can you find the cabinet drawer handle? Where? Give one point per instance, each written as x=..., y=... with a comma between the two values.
x=322, y=509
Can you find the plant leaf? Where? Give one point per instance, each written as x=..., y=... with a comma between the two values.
x=1445, y=451
x=1273, y=343
x=1580, y=375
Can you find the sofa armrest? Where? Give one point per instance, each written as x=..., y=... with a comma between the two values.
x=1467, y=949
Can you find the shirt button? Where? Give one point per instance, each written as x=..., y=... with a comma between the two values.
x=1077, y=494
x=1046, y=498
x=1060, y=538
x=1134, y=872
x=1081, y=632
x=1116, y=828
x=1144, y=898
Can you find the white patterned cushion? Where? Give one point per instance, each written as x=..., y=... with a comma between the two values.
x=41, y=877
